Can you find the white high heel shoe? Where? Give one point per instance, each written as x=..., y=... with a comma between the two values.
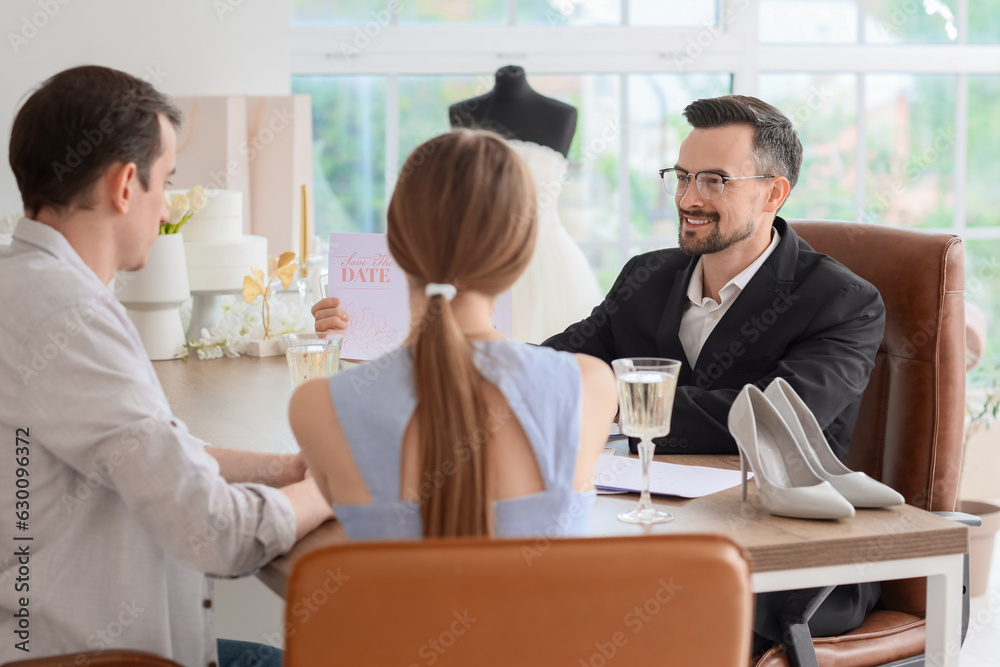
x=859, y=489
x=788, y=485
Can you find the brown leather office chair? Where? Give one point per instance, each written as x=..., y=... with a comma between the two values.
x=98, y=659
x=528, y=602
x=909, y=430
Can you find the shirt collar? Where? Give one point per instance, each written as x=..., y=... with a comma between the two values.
x=695, y=291
x=50, y=240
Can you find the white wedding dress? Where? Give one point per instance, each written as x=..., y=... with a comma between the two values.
x=558, y=288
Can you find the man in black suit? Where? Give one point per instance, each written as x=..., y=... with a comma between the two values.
x=743, y=300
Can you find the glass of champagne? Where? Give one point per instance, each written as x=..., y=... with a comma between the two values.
x=312, y=355
x=646, y=398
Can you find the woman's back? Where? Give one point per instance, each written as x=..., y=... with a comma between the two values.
x=459, y=434
x=534, y=417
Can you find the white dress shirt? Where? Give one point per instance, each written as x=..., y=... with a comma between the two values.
x=127, y=512
x=702, y=313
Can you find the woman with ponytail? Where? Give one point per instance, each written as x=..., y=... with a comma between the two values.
x=460, y=431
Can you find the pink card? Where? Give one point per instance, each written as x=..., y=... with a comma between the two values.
x=373, y=292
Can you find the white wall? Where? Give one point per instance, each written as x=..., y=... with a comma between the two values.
x=186, y=47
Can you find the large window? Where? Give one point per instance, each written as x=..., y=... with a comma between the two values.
x=896, y=102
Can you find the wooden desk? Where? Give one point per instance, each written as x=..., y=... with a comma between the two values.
x=242, y=403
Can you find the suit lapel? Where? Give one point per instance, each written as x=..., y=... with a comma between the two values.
x=753, y=311
x=668, y=342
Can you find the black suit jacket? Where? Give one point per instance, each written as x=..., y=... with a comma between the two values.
x=803, y=316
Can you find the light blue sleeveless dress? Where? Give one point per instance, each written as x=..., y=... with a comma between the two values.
x=376, y=400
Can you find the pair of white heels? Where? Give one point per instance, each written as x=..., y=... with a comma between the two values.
x=797, y=473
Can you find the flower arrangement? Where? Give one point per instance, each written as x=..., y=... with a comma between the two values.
x=182, y=207
x=241, y=323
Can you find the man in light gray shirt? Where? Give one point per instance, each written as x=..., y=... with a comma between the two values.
x=111, y=513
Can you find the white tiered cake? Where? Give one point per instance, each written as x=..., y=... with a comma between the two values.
x=218, y=254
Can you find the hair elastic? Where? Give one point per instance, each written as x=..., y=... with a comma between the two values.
x=443, y=289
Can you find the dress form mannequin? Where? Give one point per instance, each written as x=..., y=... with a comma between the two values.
x=515, y=111
x=558, y=288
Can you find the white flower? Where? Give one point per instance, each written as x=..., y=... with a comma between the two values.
x=240, y=323
x=178, y=208
x=197, y=198
x=209, y=352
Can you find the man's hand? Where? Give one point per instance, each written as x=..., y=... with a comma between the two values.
x=328, y=316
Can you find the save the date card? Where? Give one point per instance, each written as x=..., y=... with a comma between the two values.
x=374, y=294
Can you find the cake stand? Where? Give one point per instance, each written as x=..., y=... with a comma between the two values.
x=206, y=310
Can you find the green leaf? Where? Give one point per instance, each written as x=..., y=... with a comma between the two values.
x=183, y=221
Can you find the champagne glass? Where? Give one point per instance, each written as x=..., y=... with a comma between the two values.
x=646, y=398
x=312, y=355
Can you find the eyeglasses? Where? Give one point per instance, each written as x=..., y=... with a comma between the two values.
x=710, y=184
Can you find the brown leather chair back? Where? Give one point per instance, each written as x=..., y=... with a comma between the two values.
x=98, y=659
x=529, y=602
x=910, y=428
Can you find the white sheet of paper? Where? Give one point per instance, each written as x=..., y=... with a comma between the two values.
x=622, y=473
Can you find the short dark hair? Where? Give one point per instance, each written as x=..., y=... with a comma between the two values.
x=776, y=147
x=76, y=125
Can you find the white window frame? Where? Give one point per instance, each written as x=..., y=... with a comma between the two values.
x=732, y=46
